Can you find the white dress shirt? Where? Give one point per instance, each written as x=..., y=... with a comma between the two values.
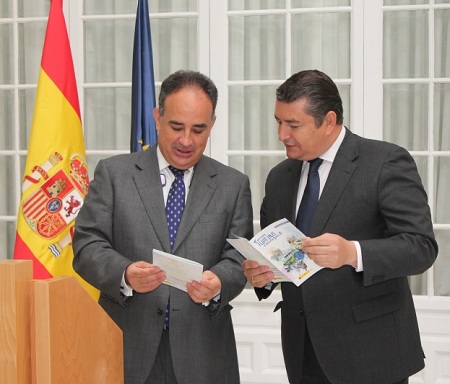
x=324, y=170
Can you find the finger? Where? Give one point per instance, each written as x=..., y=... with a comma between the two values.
x=196, y=295
x=154, y=281
x=250, y=264
x=142, y=264
x=261, y=279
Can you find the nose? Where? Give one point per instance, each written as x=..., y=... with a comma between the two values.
x=186, y=137
x=283, y=132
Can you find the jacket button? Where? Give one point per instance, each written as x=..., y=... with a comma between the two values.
x=159, y=311
x=377, y=279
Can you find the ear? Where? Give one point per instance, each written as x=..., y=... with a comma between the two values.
x=157, y=117
x=211, y=124
x=213, y=121
x=330, y=121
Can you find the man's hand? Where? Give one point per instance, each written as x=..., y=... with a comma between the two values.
x=209, y=287
x=257, y=275
x=144, y=277
x=330, y=251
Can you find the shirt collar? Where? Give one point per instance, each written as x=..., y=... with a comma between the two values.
x=331, y=152
x=163, y=164
x=164, y=168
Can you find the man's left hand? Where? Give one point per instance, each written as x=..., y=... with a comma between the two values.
x=209, y=287
x=330, y=251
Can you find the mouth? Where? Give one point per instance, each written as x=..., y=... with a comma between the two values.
x=183, y=152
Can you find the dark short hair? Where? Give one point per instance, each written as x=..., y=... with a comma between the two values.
x=187, y=78
x=319, y=90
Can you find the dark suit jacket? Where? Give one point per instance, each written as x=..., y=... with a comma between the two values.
x=123, y=219
x=363, y=326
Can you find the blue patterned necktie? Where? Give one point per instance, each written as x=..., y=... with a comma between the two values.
x=174, y=211
x=175, y=203
x=310, y=197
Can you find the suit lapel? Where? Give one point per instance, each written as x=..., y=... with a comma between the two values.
x=201, y=191
x=289, y=190
x=148, y=184
x=340, y=174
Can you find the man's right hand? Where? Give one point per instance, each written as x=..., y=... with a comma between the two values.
x=144, y=277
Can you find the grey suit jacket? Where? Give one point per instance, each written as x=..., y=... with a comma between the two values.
x=363, y=326
x=123, y=219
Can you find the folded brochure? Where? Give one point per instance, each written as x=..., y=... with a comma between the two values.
x=279, y=246
x=179, y=270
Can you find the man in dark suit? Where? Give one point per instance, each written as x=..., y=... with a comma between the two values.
x=123, y=219
x=354, y=321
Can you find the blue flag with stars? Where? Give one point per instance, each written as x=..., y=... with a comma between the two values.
x=143, y=130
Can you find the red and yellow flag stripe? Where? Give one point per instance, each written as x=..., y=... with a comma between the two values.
x=55, y=177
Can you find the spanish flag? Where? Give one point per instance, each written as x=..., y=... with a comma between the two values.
x=55, y=178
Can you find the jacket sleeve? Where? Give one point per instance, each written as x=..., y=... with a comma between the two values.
x=409, y=246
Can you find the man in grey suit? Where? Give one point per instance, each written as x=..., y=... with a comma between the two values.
x=354, y=321
x=123, y=219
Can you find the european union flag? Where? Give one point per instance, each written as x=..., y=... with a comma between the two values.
x=143, y=130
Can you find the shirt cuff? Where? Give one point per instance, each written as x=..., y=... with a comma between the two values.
x=125, y=289
x=215, y=299
x=268, y=286
x=359, y=261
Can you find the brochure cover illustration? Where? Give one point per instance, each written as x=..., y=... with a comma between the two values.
x=279, y=246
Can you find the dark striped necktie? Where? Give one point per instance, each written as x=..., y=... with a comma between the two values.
x=310, y=197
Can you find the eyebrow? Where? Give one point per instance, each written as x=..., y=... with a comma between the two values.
x=199, y=125
x=174, y=122
x=287, y=121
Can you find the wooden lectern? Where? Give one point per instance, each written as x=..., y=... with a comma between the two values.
x=15, y=357
x=53, y=332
